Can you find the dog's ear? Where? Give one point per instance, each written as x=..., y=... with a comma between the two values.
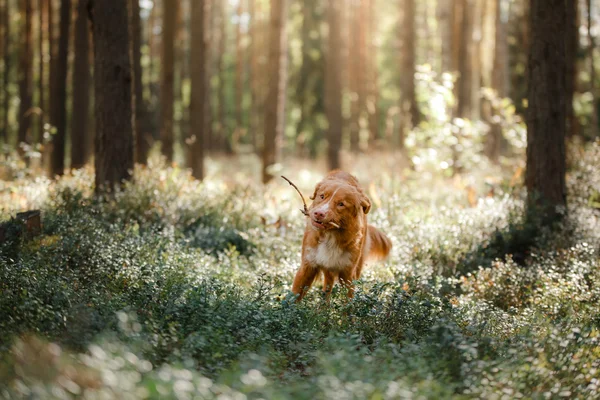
x=365, y=203
x=314, y=195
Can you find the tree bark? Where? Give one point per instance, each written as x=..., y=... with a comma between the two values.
x=81, y=86
x=198, y=104
x=572, y=56
x=59, y=96
x=592, y=46
x=333, y=87
x=25, y=74
x=239, y=75
x=113, y=99
x=275, y=104
x=42, y=82
x=6, y=72
x=167, y=87
x=409, y=107
x=371, y=70
x=142, y=144
x=221, y=142
x=546, y=116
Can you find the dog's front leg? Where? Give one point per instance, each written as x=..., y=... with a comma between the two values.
x=304, y=279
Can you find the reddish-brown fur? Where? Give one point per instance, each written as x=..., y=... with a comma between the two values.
x=337, y=239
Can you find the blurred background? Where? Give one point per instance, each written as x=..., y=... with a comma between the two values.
x=431, y=84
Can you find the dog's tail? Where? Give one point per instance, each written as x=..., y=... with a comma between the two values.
x=379, y=245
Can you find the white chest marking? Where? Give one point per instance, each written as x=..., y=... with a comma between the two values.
x=328, y=254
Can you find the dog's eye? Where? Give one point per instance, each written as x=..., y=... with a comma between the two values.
x=322, y=196
x=341, y=204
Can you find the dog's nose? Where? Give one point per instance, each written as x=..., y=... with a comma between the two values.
x=319, y=215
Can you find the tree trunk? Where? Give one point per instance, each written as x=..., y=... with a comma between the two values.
x=6, y=72
x=408, y=106
x=592, y=46
x=112, y=78
x=371, y=71
x=445, y=16
x=198, y=109
x=142, y=143
x=167, y=86
x=356, y=49
x=59, y=96
x=239, y=75
x=222, y=141
x=25, y=74
x=275, y=104
x=42, y=82
x=546, y=116
x=333, y=87
x=572, y=55
x=81, y=85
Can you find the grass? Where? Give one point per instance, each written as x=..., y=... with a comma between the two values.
x=173, y=288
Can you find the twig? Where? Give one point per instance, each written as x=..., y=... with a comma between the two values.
x=305, y=211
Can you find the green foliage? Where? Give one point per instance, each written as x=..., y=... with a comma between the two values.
x=173, y=289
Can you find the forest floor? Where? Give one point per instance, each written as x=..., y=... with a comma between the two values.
x=173, y=288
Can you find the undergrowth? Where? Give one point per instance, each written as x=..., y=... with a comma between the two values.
x=171, y=288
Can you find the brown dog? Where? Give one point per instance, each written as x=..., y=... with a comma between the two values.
x=337, y=239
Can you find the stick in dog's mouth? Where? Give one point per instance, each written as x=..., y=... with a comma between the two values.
x=334, y=225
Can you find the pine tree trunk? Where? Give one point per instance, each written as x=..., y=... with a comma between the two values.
x=59, y=96
x=572, y=55
x=113, y=99
x=409, y=107
x=239, y=75
x=333, y=104
x=355, y=79
x=546, y=116
x=42, y=82
x=222, y=141
x=592, y=45
x=6, y=45
x=142, y=144
x=275, y=104
x=198, y=104
x=167, y=86
x=81, y=85
x=371, y=71
x=25, y=74
x=445, y=15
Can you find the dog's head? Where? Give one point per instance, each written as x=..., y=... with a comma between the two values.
x=337, y=204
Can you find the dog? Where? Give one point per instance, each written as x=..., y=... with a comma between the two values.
x=337, y=239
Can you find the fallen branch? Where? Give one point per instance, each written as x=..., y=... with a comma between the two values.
x=305, y=211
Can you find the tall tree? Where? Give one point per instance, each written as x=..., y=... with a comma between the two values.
x=139, y=109
x=167, y=88
x=81, y=86
x=42, y=82
x=572, y=56
x=198, y=105
x=26, y=73
x=58, y=113
x=546, y=116
x=409, y=107
x=275, y=104
x=333, y=104
x=112, y=86
x=239, y=73
x=591, y=50
x=6, y=45
x=371, y=69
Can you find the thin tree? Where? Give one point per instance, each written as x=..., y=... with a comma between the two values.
x=546, y=115
x=275, y=104
x=591, y=50
x=198, y=105
x=81, y=86
x=409, y=107
x=167, y=86
x=58, y=112
x=333, y=104
x=6, y=45
x=573, y=50
x=42, y=82
x=139, y=108
x=239, y=73
x=25, y=73
x=112, y=86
